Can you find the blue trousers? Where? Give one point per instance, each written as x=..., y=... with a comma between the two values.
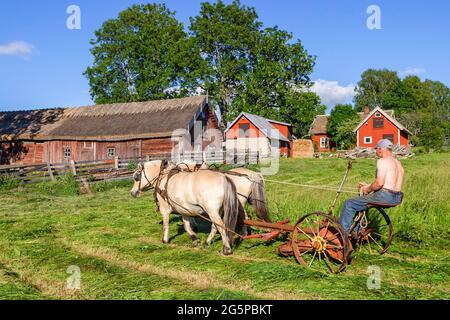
x=358, y=204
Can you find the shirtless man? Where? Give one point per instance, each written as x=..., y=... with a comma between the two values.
x=386, y=189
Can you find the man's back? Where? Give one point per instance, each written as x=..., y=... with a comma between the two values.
x=393, y=171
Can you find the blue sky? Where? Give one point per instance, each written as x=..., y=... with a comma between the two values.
x=41, y=61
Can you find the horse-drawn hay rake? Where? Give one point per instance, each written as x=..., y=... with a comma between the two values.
x=318, y=238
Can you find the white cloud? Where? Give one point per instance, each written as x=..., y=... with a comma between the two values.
x=412, y=71
x=17, y=48
x=331, y=93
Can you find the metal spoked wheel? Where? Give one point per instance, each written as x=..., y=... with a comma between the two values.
x=376, y=231
x=319, y=239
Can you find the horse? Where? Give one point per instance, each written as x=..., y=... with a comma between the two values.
x=190, y=194
x=250, y=188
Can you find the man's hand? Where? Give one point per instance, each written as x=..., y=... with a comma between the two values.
x=364, y=187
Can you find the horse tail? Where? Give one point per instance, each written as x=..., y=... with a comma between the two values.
x=258, y=197
x=230, y=208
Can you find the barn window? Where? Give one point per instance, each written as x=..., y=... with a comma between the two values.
x=367, y=140
x=67, y=153
x=244, y=130
x=324, y=142
x=378, y=123
x=377, y=114
x=111, y=152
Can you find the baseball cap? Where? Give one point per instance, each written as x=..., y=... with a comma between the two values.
x=384, y=144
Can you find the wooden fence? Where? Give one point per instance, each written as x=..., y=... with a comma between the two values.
x=119, y=168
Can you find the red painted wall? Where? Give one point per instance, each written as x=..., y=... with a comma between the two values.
x=316, y=141
x=233, y=133
x=367, y=130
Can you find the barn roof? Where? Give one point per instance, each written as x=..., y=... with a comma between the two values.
x=263, y=124
x=110, y=122
x=319, y=125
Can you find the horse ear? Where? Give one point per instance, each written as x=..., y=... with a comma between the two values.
x=164, y=163
x=140, y=166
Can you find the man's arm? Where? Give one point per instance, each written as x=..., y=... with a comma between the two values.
x=379, y=181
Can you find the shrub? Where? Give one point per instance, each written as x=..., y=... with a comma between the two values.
x=65, y=185
x=8, y=182
x=132, y=166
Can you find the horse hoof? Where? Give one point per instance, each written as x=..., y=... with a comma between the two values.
x=226, y=251
x=164, y=241
x=196, y=243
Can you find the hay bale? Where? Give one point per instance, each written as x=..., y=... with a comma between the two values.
x=303, y=148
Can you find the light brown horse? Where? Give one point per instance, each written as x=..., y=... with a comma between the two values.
x=250, y=188
x=190, y=194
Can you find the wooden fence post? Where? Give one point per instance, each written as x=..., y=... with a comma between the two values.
x=72, y=166
x=50, y=172
x=257, y=157
x=116, y=162
x=147, y=158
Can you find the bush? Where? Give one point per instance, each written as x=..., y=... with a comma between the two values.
x=65, y=185
x=8, y=182
x=132, y=166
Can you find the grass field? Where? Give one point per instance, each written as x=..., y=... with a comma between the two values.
x=115, y=241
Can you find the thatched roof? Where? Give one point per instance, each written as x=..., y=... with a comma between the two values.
x=110, y=122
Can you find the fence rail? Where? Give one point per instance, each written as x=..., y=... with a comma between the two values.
x=119, y=168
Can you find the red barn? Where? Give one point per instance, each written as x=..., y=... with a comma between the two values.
x=251, y=132
x=105, y=131
x=378, y=125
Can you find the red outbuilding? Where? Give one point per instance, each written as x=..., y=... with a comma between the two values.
x=378, y=125
x=250, y=132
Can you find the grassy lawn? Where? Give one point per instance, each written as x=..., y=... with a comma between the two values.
x=115, y=241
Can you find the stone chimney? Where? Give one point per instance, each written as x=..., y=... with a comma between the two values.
x=366, y=110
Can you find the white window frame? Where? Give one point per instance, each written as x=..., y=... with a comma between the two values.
x=324, y=142
x=65, y=153
x=108, y=152
x=367, y=138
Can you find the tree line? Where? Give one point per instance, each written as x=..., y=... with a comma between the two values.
x=147, y=54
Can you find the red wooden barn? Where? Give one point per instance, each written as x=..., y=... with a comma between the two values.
x=106, y=131
x=250, y=132
x=378, y=125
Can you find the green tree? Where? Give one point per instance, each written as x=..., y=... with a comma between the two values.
x=249, y=68
x=300, y=109
x=144, y=54
x=342, y=117
x=373, y=88
x=225, y=35
x=277, y=71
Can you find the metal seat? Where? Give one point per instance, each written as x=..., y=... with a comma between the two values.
x=381, y=205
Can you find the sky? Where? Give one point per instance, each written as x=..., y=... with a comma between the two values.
x=42, y=61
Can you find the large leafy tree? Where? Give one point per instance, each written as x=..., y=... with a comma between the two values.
x=278, y=72
x=249, y=68
x=374, y=87
x=342, y=122
x=225, y=36
x=144, y=54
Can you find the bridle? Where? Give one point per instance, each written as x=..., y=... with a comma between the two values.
x=150, y=183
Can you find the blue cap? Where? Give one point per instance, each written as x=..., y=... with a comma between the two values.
x=384, y=144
